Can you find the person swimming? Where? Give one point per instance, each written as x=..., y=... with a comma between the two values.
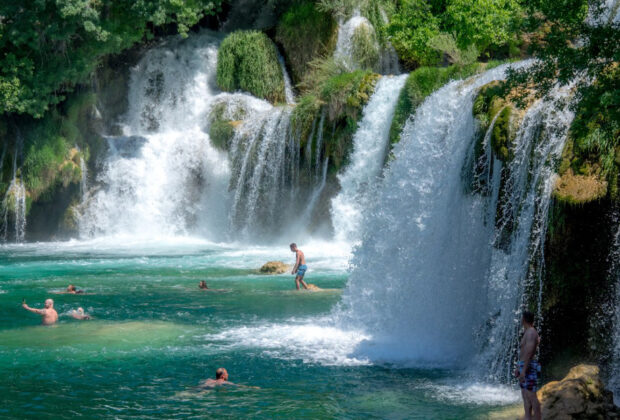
x=221, y=378
x=70, y=290
x=203, y=285
x=49, y=316
x=300, y=266
x=80, y=314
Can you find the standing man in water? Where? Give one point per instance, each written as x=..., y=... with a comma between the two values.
x=528, y=368
x=300, y=266
x=49, y=315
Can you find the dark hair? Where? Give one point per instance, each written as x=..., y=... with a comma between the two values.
x=293, y=244
x=219, y=373
x=528, y=317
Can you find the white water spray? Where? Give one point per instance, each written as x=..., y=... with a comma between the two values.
x=431, y=257
x=366, y=162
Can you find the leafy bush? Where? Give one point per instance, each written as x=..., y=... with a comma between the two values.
x=365, y=47
x=49, y=46
x=305, y=33
x=248, y=60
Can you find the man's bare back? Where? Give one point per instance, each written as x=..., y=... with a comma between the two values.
x=49, y=316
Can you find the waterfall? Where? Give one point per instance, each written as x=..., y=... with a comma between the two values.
x=288, y=86
x=14, y=201
x=163, y=176
x=307, y=215
x=448, y=277
x=366, y=162
x=344, y=52
x=265, y=161
x=614, y=275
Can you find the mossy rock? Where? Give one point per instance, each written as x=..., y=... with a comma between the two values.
x=305, y=34
x=248, y=61
x=501, y=136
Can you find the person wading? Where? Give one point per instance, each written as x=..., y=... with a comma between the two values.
x=528, y=368
x=300, y=266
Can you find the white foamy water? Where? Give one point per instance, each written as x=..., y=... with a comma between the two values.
x=314, y=342
x=370, y=144
x=435, y=282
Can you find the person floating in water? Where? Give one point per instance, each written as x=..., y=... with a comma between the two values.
x=300, y=266
x=528, y=368
x=221, y=378
x=203, y=285
x=49, y=316
x=80, y=314
x=70, y=290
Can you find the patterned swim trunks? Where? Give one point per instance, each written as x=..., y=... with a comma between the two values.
x=531, y=376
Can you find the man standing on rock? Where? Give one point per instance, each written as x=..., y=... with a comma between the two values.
x=300, y=266
x=528, y=369
x=49, y=316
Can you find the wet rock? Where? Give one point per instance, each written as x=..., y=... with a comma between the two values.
x=274, y=267
x=580, y=395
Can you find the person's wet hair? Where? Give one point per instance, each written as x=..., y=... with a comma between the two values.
x=528, y=317
x=219, y=373
x=293, y=245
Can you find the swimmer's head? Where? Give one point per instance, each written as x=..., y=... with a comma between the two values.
x=293, y=247
x=221, y=374
x=202, y=284
x=71, y=288
x=49, y=303
x=80, y=311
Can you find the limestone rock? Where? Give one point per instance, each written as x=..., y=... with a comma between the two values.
x=580, y=395
x=274, y=267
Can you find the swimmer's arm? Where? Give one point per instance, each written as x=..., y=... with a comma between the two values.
x=34, y=310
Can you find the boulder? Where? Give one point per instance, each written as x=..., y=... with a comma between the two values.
x=274, y=267
x=580, y=395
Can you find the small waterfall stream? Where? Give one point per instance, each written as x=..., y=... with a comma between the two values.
x=370, y=144
x=614, y=275
x=14, y=201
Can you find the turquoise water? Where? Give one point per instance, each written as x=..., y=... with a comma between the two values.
x=154, y=336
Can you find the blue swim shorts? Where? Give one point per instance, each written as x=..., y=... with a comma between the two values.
x=301, y=270
x=531, y=376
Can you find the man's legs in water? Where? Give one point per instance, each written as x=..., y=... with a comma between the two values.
x=299, y=279
x=534, y=404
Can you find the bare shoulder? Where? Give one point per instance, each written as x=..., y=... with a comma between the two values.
x=531, y=334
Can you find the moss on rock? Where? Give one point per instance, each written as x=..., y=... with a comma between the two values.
x=365, y=47
x=248, y=61
x=305, y=34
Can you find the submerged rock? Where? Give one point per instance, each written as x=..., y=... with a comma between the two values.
x=580, y=395
x=274, y=267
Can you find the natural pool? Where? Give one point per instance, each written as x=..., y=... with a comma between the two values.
x=154, y=336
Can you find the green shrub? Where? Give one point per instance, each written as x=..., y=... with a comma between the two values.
x=247, y=60
x=365, y=48
x=305, y=34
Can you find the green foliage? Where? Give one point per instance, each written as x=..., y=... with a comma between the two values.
x=410, y=29
x=248, y=60
x=365, y=47
x=49, y=46
x=306, y=34
x=421, y=30
x=221, y=130
x=591, y=65
x=347, y=93
x=304, y=115
x=500, y=136
x=482, y=23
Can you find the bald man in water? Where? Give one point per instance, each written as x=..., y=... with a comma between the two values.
x=221, y=378
x=49, y=316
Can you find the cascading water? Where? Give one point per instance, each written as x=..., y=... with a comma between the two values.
x=163, y=176
x=289, y=96
x=431, y=282
x=369, y=148
x=344, y=52
x=14, y=202
x=614, y=275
